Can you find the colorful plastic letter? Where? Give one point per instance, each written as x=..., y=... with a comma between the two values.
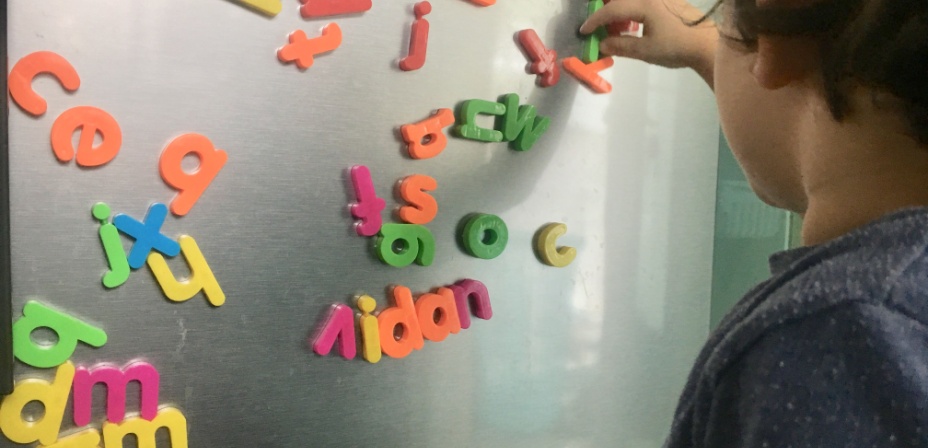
x=440, y=305
x=425, y=139
x=190, y=186
x=201, y=276
x=403, y=314
x=468, y=121
x=590, y=51
x=269, y=8
x=400, y=244
x=32, y=65
x=544, y=61
x=485, y=236
x=54, y=398
x=89, y=121
x=88, y=438
x=419, y=40
x=423, y=206
x=144, y=430
x=369, y=206
x=474, y=293
x=147, y=234
x=370, y=332
x=70, y=330
x=626, y=28
x=483, y=2
x=521, y=125
x=322, y=8
x=302, y=50
x=116, y=381
x=112, y=248
x=545, y=246
x=589, y=73
x=339, y=324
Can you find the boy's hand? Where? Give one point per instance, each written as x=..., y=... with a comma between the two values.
x=668, y=40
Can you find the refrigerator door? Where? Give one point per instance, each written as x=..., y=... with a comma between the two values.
x=592, y=354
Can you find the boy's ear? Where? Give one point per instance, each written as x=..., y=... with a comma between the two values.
x=783, y=60
x=780, y=61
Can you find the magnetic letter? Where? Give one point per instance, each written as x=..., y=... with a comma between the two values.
x=475, y=293
x=442, y=303
x=339, y=324
x=369, y=206
x=403, y=315
x=370, y=331
x=590, y=51
x=116, y=381
x=269, y=8
x=485, y=236
x=626, y=28
x=112, y=248
x=190, y=186
x=545, y=246
x=544, y=61
x=468, y=121
x=423, y=207
x=302, y=50
x=32, y=65
x=89, y=121
x=144, y=430
x=419, y=40
x=589, y=73
x=400, y=244
x=69, y=330
x=521, y=125
x=147, y=234
x=425, y=139
x=54, y=398
x=201, y=276
x=322, y=8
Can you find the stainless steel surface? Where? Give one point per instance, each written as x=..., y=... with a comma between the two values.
x=594, y=354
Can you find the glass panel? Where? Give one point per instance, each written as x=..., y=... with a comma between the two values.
x=747, y=231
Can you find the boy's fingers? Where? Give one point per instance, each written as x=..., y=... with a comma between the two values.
x=623, y=46
x=614, y=11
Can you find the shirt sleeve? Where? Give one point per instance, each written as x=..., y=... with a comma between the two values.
x=853, y=376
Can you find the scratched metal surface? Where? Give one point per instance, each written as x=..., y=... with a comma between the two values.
x=590, y=355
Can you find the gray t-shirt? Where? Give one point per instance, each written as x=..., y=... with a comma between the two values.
x=831, y=351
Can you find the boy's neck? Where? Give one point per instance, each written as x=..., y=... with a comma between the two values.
x=859, y=170
x=827, y=219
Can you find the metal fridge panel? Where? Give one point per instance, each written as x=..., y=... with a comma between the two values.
x=589, y=355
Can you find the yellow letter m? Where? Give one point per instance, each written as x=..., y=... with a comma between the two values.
x=144, y=430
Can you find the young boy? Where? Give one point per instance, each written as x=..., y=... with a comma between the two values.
x=825, y=105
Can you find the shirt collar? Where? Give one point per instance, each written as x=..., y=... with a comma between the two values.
x=901, y=225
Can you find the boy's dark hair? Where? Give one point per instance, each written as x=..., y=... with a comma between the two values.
x=880, y=44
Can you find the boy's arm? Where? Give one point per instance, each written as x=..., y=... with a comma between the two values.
x=668, y=39
x=856, y=375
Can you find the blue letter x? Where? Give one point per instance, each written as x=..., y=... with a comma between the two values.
x=147, y=234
